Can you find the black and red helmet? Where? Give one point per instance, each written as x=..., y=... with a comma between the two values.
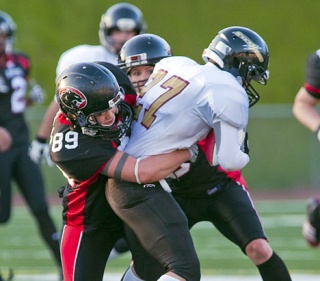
x=86, y=89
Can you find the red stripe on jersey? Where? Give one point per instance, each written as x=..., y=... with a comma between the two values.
x=77, y=201
x=70, y=241
x=207, y=145
x=312, y=90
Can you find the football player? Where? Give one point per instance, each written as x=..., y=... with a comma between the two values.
x=119, y=23
x=14, y=137
x=92, y=119
x=205, y=192
x=304, y=109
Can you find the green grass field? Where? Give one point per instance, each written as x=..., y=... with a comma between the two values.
x=22, y=249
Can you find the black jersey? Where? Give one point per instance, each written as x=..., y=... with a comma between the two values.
x=14, y=70
x=81, y=159
x=198, y=179
x=312, y=83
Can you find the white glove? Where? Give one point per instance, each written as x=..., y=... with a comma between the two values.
x=194, y=151
x=37, y=94
x=310, y=234
x=39, y=153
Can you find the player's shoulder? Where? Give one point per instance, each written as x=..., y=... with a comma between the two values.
x=21, y=58
x=80, y=49
x=179, y=61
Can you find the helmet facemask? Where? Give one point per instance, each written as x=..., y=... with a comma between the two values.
x=248, y=72
x=119, y=127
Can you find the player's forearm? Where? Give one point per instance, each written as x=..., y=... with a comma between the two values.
x=304, y=109
x=150, y=169
x=46, y=124
x=155, y=168
x=229, y=154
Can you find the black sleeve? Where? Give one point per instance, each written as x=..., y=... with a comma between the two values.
x=82, y=158
x=312, y=79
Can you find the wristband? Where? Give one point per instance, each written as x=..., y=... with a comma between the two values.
x=136, y=170
x=318, y=133
x=41, y=140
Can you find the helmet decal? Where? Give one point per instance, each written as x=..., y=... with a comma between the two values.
x=136, y=59
x=72, y=97
x=250, y=45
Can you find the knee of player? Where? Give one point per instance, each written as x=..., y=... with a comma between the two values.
x=259, y=251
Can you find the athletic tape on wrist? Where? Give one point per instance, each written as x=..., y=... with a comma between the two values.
x=136, y=170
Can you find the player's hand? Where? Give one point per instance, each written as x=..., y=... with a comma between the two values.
x=5, y=139
x=194, y=151
x=309, y=233
x=37, y=94
x=39, y=153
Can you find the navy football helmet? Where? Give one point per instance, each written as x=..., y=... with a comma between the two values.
x=8, y=28
x=122, y=16
x=244, y=54
x=144, y=49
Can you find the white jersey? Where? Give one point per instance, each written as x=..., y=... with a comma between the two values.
x=180, y=104
x=85, y=53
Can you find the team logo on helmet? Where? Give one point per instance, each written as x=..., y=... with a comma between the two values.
x=72, y=98
x=250, y=45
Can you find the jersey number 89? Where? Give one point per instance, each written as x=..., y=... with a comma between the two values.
x=68, y=140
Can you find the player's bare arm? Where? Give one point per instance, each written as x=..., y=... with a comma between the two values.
x=305, y=111
x=150, y=169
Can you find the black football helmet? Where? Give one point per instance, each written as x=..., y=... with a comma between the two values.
x=122, y=16
x=7, y=27
x=144, y=49
x=86, y=89
x=243, y=53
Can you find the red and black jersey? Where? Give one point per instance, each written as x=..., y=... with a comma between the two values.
x=312, y=83
x=81, y=159
x=14, y=70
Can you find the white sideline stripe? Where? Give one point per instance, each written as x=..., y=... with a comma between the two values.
x=117, y=277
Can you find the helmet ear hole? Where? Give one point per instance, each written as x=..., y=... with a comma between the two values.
x=235, y=63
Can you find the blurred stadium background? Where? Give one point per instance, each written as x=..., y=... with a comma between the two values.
x=284, y=155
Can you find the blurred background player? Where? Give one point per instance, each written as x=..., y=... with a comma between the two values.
x=304, y=109
x=15, y=163
x=118, y=24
